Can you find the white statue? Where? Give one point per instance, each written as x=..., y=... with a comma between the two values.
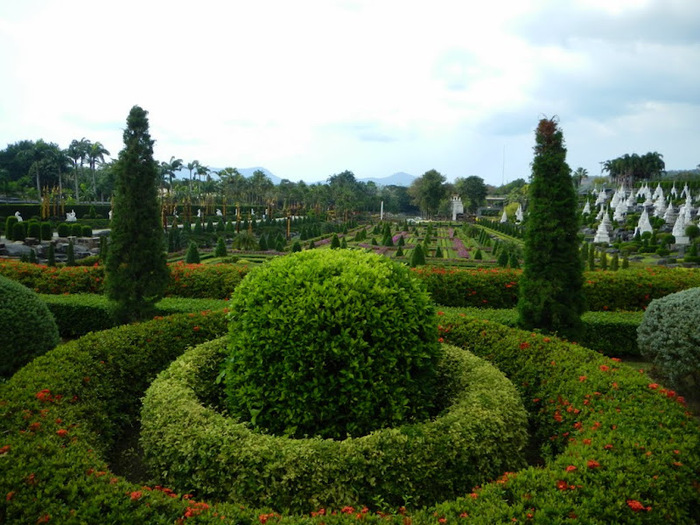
x=218, y=213
x=175, y=214
x=19, y=217
x=70, y=216
x=110, y=215
x=199, y=213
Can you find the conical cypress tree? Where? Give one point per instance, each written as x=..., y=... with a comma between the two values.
x=401, y=242
x=591, y=259
x=399, y=252
x=263, y=243
x=296, y=247
x=136, y=270
x=70, y=255
x=625, y=262
x=438, y=253
x=478, y=255
x=51, y=255
x=551, y=286
x=335, y=242
x=32, y=256
x=513, y=261
x=220, y=248
x=192, y=255
x=603, y=260
x=417, y=256
x=614, y=262
x=343, y=243
x=503, y=259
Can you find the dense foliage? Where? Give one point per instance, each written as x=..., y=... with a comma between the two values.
x=480, y=434
x=551, y=296
x=669, y=336
x=136, y=270
x=27, y=328
x=607, y=459
x=331, y=343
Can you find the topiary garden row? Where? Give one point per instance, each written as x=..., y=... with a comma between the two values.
x=616, y=447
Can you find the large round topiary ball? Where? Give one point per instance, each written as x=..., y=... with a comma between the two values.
x=331, y=343
x=669, y=336
x=27, y=327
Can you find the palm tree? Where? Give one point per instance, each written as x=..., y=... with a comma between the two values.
x=192, y=166
x=578, y=175
x=78, y=152
x=169, y=168
x=96, y=153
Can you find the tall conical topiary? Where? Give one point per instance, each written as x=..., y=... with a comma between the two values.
x=417, y=256
x=220, y=248
x=192, y=255
x=551, y=286
x=70, y=254
x=136, y=270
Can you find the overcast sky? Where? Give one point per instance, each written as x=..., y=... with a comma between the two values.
x=310, y=88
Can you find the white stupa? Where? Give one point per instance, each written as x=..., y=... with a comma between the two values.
x=670, y=214
x=660, y=206
x=620, y=211
x=631, y=200
x=658, y=191
x=679, y=230
x=602, y=198
x=602, y=235
x=644, y=225
x=586, y=208
x=504, y=217
x=674, y=191
x=519, y=215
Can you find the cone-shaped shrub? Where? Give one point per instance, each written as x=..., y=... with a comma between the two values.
x=220, y=248
x=51, y=255
x=551, y=296
x=478, y=255
x=330, y=343
x=296, y=247
x=136, y=270
x=192, y=255
x=399, y=252
x=335, y=242
x=70, y=255
x=438, y=253
x=417, y=256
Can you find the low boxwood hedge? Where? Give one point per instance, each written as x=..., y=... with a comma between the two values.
x=610, y=333
x=78, y=314
x=624, y=290
x=191, y=446
x=617, y=448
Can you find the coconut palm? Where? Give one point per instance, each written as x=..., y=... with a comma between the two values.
x=96, y=153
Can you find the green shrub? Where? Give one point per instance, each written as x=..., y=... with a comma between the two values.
x=19, y=231
x=27, y=328
x=669, y=336
x=51, y=255
x=76, y=229
x=331, y=343
x=335, y=242
x=86, y=231
x=46, y=231
x=70, y=254
x=92, y=388
x=417, y=256
x=63, y=229
x=10, y=222
x=192, y=256
x=220, y=248
x=478, y=255
x=420, y=463
x=34, y=229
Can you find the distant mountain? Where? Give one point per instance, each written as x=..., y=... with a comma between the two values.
x=400, y=178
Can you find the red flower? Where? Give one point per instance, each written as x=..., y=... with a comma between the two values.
x=571, y=468
x=523, y=346
x=592, y=463
x=62, y=432
x=196, y=328
x=604, y=368
x=582, y=378
x=136, y=495
x=636, y=506
x=10, y=495
x=653, y=386
x=562, y=485
x=4, y=449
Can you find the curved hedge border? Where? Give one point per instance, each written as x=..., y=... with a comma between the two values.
x=624, y=290
x=638, y=465
x=481, y=434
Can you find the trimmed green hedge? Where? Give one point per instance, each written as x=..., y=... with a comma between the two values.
x=480, y=434
x=624, y=290
x=27, y=328
x=78, y=314
x=615, y=444
x=611, y=333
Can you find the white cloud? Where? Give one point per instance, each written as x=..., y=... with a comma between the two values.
x=314, y=87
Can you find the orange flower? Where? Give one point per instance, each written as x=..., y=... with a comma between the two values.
x=592, y=463
x=571, y=468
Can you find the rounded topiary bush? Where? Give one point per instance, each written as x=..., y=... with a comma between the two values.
x=331, y=343
x=669, y=336
x=27, y=328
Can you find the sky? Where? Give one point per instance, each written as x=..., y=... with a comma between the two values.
x=311, y=88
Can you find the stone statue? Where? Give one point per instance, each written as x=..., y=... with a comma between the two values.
x=70, y=216
x=218, y=213
x=110, y=215
x=199, y=213
x=19, y=217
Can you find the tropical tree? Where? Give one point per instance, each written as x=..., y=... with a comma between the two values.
x=627, y=169
x=427, y=191
x=96, y=154
x=78, y=151
x=578, y=176
x=136, y=271
x=168, y=169
x=473, y=189
x=551, y=296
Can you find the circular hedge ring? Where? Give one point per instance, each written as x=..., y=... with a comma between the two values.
x=190, y=446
